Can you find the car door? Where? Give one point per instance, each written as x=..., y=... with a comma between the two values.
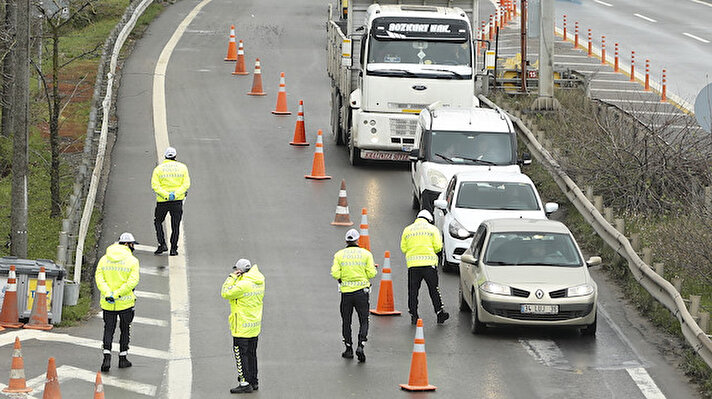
x=470, y=273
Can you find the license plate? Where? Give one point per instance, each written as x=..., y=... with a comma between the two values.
x=384, y=155
x=540, y=309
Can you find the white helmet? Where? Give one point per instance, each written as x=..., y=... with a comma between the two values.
x=352, y=235
x=170, y=153
x=425, y=214
x=242, y=265
x=127, y=237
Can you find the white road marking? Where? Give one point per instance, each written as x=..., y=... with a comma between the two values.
x=596, y=72
x=704, y=3
x=546, y=352
x=579, y=63
x=143, y=320
x=641, y=91
x=612, y=81
x=24, y=335
x=151, y=295
x=658, y=112
x=622, y=100
x=603, y=3
x=144, y=248
x=645, y=383
x=154, y=271
x=696, y=37
x=645, y=18
x=66, y=373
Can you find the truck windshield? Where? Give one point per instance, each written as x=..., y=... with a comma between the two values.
x=470, y=148
x=420, y=53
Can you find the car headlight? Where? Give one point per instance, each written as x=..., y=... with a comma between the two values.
x=437, y=179
x=580, y=290
x=495, y=288
x=458, y=231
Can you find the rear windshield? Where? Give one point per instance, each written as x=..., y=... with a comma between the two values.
x=497, y=196
x=532, y=249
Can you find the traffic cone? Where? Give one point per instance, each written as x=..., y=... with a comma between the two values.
x=342, y=208
x=318, y=168
x=364, y=241
x=281, y=108
x=98, y=387
x=300, y=136
x=385, y=305
x=17, y=382
x=257, y=81
x=231, y=47
x=51, y=388
x=38, y=316
x=240, y=65
x=9, y=316
x=418, y=379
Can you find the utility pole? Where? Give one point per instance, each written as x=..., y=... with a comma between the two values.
x=546, y=100
x=21, y=110
x=523, y=31
x=8, y=70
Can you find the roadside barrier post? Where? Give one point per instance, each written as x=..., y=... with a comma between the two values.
x=647, y=75
x=663, y=98
x=576, y=41
x=615, y=62
x=564, y=27
x=603, y=49
x=632, y=66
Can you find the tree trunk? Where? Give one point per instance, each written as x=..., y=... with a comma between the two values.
x=7, y=70
x=54, y=129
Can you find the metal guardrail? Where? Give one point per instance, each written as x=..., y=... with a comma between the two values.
x=659, y=288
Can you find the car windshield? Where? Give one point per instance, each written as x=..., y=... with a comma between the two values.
x=419, y=52
x=471, y=148
x=497, y=196
x=532, y=249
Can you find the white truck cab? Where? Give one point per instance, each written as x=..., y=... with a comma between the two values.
x=460, y=139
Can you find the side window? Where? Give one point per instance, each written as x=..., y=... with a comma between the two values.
x=478, y=242
x=362, y=52
x=450, y=192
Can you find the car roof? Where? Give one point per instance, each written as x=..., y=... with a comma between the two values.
x=526, y=225
x=470, y=119
x=492, y=176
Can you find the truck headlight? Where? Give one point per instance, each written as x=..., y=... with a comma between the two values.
x=579, y=290
x=457, y=230
x=495, y=288
x=437, y=179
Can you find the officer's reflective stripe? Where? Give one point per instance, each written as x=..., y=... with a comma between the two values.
x=414, y=258
x=342, y=209
x=419, y=348
x=353, y=283
x=17, y=374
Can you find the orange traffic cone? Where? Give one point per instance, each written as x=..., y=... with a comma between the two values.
x=418, y=380
x=17, y=382
x=385, y=305
x=281, y=108
x=98, y=387
x=240, y=65
x=9, y=316
x=300, y=136
x=38, y=316
x=342, y=208
x=364, y=241
x=257, y=81
x=318, y=168
x=51, y=388
x=231, y=48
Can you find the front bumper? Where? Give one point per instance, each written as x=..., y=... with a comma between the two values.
x=454, y=247
x=571, y=311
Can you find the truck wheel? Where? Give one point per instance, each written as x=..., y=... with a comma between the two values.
x=355, y=155
x=336, y=131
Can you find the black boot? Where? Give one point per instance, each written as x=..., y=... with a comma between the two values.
x=414, y=319
x=442, y=316
x=360, y=354
x=242, y=389
x=124, y=362
x=161, y=249
x=348, y=353
x=106, y=364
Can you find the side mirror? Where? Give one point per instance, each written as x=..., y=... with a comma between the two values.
x=440, y=204
x=593, y=261
x=467, y=258
x=526, y=159
x=550, y=207
x=414, y=155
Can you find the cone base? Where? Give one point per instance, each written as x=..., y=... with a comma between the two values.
x=342, y=223
x=281, y=112
x=256, y=94
x=230, y=59
x=240, y=73
x=317, y=177
x=298, y=144
x=407, y=387
x=19, y=390
x=45, y=327
x=385, y=312
x=12, y=325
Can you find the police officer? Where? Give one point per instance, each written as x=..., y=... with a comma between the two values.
x=420, y=242
x=352, y=268
x=245, y=289
x=170, y=181
x=116, y=277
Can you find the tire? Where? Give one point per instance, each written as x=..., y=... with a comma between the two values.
x=444, y=265
x=464, y=307
x=355, y=155
x=590, y=330
x=336, y=120
x=476, y=326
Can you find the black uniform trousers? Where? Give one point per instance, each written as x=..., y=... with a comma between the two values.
x=125, y=318
x=245, y=350
x=415, y=276
x=175, y=208
x=349, y=301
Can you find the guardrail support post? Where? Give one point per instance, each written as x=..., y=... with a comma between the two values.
x=648, y=256
x=635, y=241
x=620, y=226
x=598, y=203
x=704, y=321
x=708, y=197
x=695, y=305
x=589, y=193
x=677, y=283
x=659, y=269
x=608, y=214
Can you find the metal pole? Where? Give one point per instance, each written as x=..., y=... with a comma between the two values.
x=523, y=24
x=546, y=100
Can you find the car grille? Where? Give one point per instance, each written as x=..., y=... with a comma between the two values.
x=558, y=294
x=511, y=311
x=520, y=293
x=459, y=251
x=402, y=127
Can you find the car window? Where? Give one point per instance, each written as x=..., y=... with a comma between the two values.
x=450, y=191
x=497, y=196
x=478, y=241
x=532, y=248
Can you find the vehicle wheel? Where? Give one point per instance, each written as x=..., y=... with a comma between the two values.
x=416, y=203
x=336, y=131
x=354, y=155
x=444, y=265
x=590, y=330
x=462, y=302
x=476, y=327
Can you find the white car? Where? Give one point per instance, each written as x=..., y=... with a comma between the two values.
x=527, y=272
x=472, y=197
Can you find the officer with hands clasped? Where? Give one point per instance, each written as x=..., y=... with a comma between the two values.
x=245, y=289
x=116, y=276
x=353, y=267
x=170, y=181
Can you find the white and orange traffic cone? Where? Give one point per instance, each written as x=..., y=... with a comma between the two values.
x=38, y=317
x=300, y=134
x=318, y=167
x=386, y=306
x=231, y=46
x=240, y=64
x=98, y=387
x=281, y=108
x=257, y=81
x=364, y=241
x=17, y=383
x=51, y=388
x=418, y=379
x=9, y=316
x=342, y=217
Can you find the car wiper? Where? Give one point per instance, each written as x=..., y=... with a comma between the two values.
x=497, y=263
x=392, y=72
x=444, y=70
x=445, y=158
x=482, y=161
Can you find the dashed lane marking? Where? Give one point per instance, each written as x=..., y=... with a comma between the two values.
x=704, y=3
x=603, y=3
x=645, y=383
x=144, y=248
x=645, y=18
x=690, y=35
x=154, y=271
x=546, y=352
x=612, y=81
x=151, y=295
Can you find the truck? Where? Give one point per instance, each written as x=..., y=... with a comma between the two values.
x=387, y=61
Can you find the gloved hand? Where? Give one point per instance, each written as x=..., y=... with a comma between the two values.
x=171, y=196
x=110, y=298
